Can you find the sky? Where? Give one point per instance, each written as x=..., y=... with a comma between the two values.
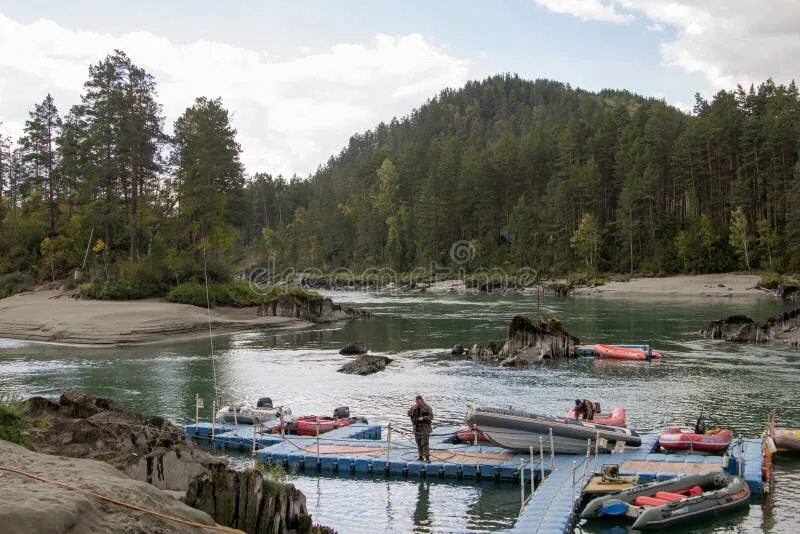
x=300, y=77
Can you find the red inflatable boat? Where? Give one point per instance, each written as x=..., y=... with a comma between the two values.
x=675, y=439
x=465, y=435
x=625, y=353
x=307, y=425
x=615, y=418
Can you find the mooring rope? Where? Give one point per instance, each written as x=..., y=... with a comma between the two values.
x=118, y=502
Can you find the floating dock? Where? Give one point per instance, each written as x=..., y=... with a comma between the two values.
x=553, y=507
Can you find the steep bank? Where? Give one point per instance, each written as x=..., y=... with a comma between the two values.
x=32, y=506
x=53, y=316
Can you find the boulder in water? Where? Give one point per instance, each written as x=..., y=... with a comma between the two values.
x=354, y=348
x=365, y=365
x=458, y=350
x=529, y=343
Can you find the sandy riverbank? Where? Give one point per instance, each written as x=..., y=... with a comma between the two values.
x=732, y=285
x=55, y=317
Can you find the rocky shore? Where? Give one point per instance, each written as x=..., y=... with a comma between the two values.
x=783, y=328
x=140, y=459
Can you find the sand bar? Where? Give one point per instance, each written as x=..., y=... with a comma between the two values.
x=734, y=285
x=53, y=316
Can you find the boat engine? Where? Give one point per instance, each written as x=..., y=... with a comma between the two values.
x=342, y=412
x=264, y=402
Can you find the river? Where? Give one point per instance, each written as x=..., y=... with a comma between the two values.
x=736, y=386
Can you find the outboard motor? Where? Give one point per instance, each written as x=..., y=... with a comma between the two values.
x=342, y=412
x=264, y=402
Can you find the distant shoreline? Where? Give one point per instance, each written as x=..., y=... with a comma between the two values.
x=55, y=317
x=725, y=285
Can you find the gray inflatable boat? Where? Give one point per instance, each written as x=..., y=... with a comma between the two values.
x=664, y=504
x=518, y=430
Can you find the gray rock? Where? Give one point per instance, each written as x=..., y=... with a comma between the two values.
x=365, y=365
x=150, y=449
x=783, y=328
x=249, y=501
x=353, y=349
x=458, y=350
x=529, y=343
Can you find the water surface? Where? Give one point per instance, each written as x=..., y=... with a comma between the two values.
x=734, y=385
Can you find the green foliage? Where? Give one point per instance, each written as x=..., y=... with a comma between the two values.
x=273, y=472
x=12, y=420
x=770, y=280
x=15, y=282
x=237, y=294
x=123, y=290
x=586, y=239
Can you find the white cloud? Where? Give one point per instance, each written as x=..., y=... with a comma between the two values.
x=586, y=9
x=728, y=41
x=291, y=113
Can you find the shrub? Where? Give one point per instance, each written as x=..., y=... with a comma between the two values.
x=237, y=294
x=771, y=280
x=15, y=282
x=12, y=420
x=123, y=290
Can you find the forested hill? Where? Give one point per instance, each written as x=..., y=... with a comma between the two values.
x=529, y=173
x=535, y=173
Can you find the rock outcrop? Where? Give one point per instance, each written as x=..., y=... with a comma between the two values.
x=530, y=343
x=314, y=308
x=31, y=506
x=354, y=349
x=783, y=328
x=365, y=365
x=249, y=501
x=146, y=448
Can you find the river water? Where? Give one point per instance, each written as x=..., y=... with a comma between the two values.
x=736, y=386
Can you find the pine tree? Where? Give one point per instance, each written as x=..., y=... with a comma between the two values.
x=40, y=155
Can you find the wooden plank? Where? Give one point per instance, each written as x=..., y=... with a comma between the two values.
x=598, y=486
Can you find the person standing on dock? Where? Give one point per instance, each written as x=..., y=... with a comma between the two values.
x=421, y=417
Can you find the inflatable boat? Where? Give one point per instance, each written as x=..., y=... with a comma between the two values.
x=667, y=503
x=787, y=439
x=311, y=425
x=675, y=439
x=617, y=417
x=518, y=430
x=616, y=352
x=246, y=414
x=467, y=435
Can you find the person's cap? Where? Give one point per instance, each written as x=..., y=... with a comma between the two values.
x=419, y=397
x=577, y=401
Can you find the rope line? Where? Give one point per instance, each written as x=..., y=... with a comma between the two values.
x=118, y=502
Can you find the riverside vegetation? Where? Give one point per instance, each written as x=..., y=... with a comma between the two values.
x=530, y=174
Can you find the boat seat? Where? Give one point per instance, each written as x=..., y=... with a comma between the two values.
x=649, y=501
x=695, y=491
x=668, y=496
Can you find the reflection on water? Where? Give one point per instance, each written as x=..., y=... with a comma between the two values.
x=735, y=385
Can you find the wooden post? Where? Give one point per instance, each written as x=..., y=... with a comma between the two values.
x=474, y=436
x=318, y=461
x=552, y=451
x=196, y=410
